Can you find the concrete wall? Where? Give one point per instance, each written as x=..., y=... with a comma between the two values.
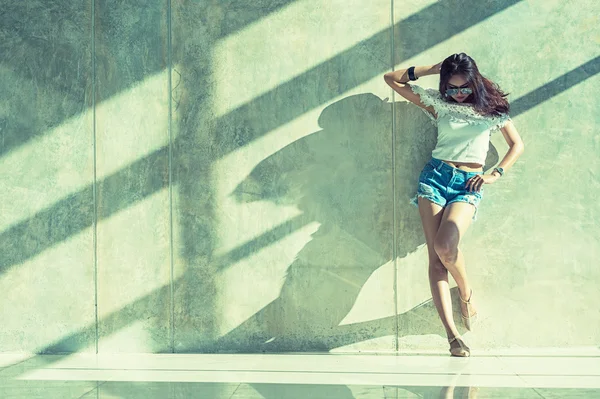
x=234, y=176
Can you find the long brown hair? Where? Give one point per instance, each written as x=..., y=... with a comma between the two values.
x=487, y=97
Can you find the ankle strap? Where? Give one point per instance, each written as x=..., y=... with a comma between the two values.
x=468, y=300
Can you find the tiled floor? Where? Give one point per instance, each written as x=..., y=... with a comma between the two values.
x=301, y=376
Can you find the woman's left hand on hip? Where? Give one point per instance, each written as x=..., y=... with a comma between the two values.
x=476, y=182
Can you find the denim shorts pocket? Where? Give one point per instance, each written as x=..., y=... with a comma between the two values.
x=427, y=168
x=427, y=171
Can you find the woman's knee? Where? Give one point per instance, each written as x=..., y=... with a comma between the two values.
x=436, y=266
x=446, y=247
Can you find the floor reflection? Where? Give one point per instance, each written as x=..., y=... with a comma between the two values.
x=302, y=376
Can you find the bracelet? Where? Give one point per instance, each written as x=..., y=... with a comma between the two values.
x=411, y=73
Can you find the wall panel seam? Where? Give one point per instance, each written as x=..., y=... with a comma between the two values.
x=94, y=183
x=394, y=210
x=170, y=167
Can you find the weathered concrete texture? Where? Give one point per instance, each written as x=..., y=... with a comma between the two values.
x=132, y=109
x=46, y=164
x=193, y=33
x=290, y=217
x=292, y=174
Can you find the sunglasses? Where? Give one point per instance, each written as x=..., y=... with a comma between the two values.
x=463, y=90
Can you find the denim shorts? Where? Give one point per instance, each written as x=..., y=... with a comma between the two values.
x=443, y=184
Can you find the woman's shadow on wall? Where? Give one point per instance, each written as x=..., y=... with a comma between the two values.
x=342, y=177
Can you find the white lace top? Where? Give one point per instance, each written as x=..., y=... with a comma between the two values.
x=463, y=134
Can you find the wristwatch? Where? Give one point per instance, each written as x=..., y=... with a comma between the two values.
x=499, y=170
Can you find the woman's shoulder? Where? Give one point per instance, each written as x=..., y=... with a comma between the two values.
x=467, y=111
x=495, y=123
x=453, y=110
x=428, y=95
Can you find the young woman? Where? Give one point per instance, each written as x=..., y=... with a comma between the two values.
x=466, y=108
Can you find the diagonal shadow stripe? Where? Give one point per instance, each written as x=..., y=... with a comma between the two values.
x=237, y=14
x=340, y=336
x=117, y=320
x=49, y=45
x=555, y=87
x=129, y=313
x=16, y=243
x=262, y=241
x=315, y=87
x=59, y=66
x=75, y=212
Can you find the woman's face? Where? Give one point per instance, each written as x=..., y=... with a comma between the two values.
x=458, y=81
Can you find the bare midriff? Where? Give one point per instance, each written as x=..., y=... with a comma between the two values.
x=467, y=167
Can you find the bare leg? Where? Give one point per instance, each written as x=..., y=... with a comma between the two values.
x=455, y=222
x=431, y=218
